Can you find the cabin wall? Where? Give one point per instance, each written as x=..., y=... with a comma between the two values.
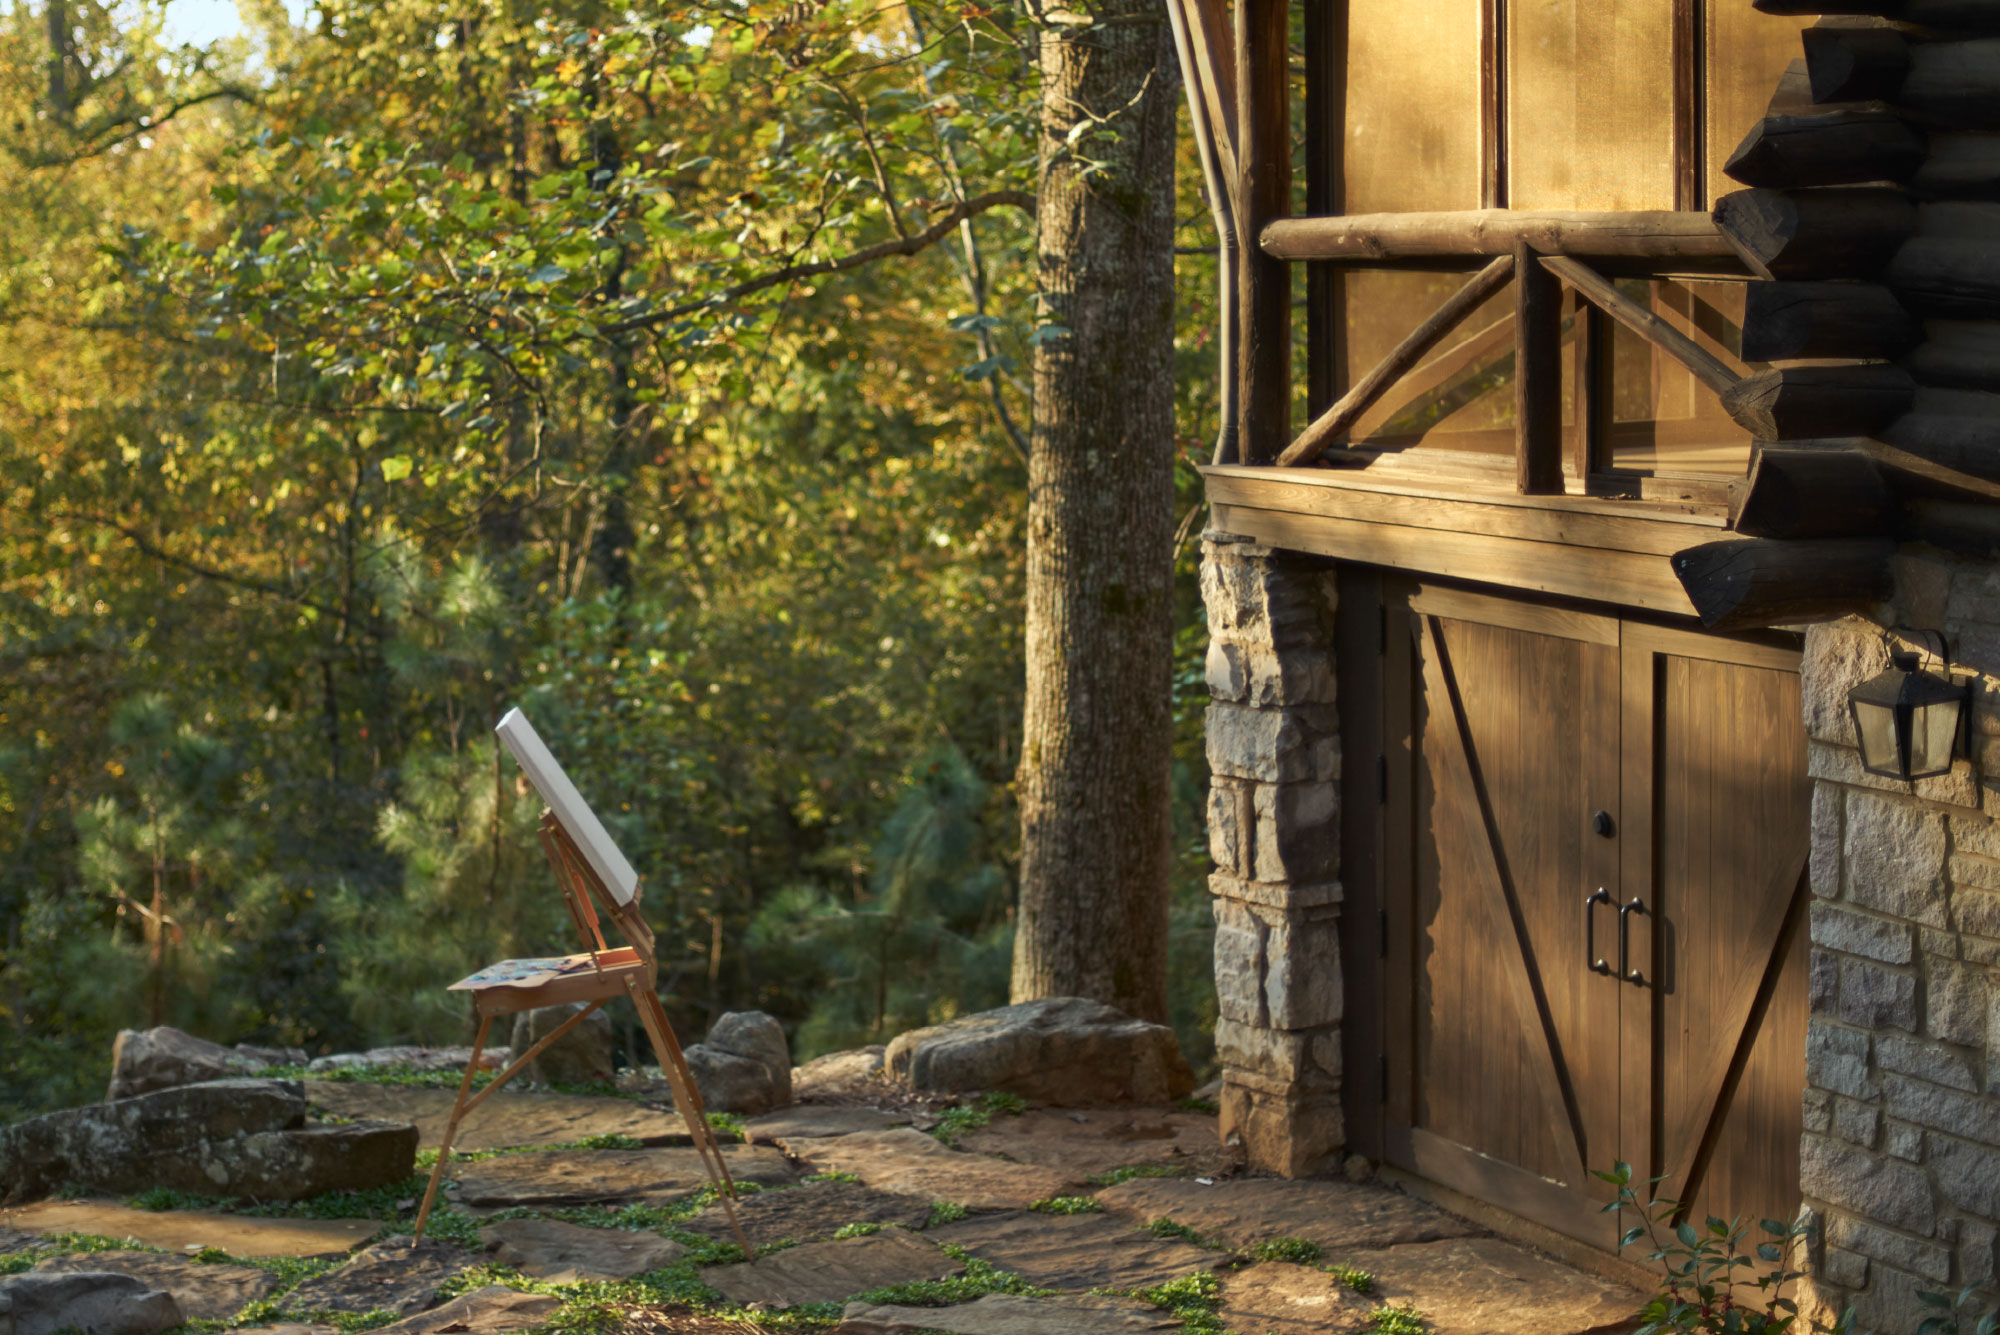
x=1901, y=1154
x=1274, y=757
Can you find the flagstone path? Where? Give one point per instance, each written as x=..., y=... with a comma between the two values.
x=883, y=1228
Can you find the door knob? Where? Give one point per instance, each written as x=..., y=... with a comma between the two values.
x=1601, y=824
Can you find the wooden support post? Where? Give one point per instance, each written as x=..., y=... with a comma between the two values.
x=1790, y=321
x=1827, y=148
x=1264, y=172
x=1591, y=438
x=1812, y=492
x=451, y=1127
x=1811, y=402
x=1752, y=582
x=1538, y=377
x=1813, y=233
x=1330, y=425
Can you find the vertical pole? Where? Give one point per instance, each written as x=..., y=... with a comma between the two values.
x=1326, y=97
x=1264, y=171
x=1590, y=438
x=1538, y=382
x=451, y=1127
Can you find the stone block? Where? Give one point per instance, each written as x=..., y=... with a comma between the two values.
x=1240, y=958
x=1977, y=911
x=1837, y=1059
x=1255, y=595
x=1884, y=1190
x=1915, y=1256
x=1290, y=1136
x=1275, y=894
x=1968, y=869
x=1895, y=858
x=1228, y=677
x=1976, y=1258
x=1905, y=1142
x=1955, y=1000
x=1289, y=745
x=1845, y=1268
x=1283, y=1055
x=1978, y=835
x=1872, y=997
x=1968, y=1174
x=1885, y=940
x=1232, y=825
x=1839, y=656
x=1906, y=1055
x=1267, y=676
x=1297, y=832
x=580, y=1057
x=1302, y=978
x=1823, y=983
x=1823, y=864
x=1857, y=1123
x=1816, y=1109
x=1942, y=1109
x=1840, y=764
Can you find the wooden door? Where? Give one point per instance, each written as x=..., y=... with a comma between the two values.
x=1588, y=869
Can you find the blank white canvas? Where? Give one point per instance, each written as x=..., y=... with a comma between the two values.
x=562, y=797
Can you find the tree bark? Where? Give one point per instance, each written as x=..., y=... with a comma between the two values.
x=1094, y=773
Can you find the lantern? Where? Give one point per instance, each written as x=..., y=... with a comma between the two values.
x=1907, y=721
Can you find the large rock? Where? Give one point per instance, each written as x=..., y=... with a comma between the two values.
x=745, y=1066
x=1279, y=1298
x=204, y=1292
x=1064, y=1050
x=580, y=1057
x=143, y=1060
x=221, y=1138
x=415, y=1059
x=93, y=1302
x=398, y=1276
x=855, y=1073
x=493, y=1310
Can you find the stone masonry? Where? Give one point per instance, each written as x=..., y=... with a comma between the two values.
x=1900, y=1160
x=1274, y=758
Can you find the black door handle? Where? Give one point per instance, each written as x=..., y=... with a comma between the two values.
x=1590, y=955
x=1625, y=913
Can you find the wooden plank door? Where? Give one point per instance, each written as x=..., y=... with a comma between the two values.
x=1717, y=1037
x=1503, y=1052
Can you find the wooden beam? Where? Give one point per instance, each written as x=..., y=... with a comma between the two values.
x=1787, y=321
x=1828, y=148
x=1833, y=491
x=1751, y=582
x=1538, y=376
x=1213, y=61
x=1329, y=426
x=1950, y=277
x=1264, y=184
x=1626, y=579
x=1816, y=233
x=1967, y=15
x=1958, y=354
x=1960, y=166
x=1601, y=292
x=1854, y=64
x=1671, y=240
x=1810, y=402
x=1205, y=107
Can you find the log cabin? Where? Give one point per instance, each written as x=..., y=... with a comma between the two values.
x=1609, y=389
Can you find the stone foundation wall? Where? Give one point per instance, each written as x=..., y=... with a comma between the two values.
x=1901, y=1155
x=1273, y=823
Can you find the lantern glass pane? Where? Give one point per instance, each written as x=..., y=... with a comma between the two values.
x=1875, y=729
x=1932, y=733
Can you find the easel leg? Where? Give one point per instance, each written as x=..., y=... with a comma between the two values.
x=688, y=1099
x=451, y=1127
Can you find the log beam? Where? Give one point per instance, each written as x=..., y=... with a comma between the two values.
x=1810, y=402
x=1800, y=491
x=1854, y=64
x=1753, y=582
x=1827, y=148
x=1671, y=241
x=1787, y=321
x=1964, y=15
x=1814, y=233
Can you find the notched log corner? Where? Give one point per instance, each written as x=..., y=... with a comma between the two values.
x=1746, y=583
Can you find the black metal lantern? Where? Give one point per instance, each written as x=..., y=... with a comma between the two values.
x=1908, y=721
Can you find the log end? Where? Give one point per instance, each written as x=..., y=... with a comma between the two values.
x=1746, y=583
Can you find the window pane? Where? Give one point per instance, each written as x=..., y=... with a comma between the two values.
x=1412, y=125
x=1663, y=420
x=1591, y=117
x=1746, y=55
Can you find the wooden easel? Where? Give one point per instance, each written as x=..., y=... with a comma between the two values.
x=597, y=976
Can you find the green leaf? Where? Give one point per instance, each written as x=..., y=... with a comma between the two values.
x=395, y=466
x=549, y=273
x=1685, y=1232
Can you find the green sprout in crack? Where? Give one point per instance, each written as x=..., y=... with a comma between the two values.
x=1399, y=1320
x=832, y=1175
x=729, y=1126
x=1168, y=1228
x=955, y=1122
x=1352, y=1277
x=1204, y=1107
x=1132, y=1170
x=945, y=1212
x=1066, y=1205
x=1302, y=1251
x=856, y=1230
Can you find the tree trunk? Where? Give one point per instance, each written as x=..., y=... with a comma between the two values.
x=1094, y=774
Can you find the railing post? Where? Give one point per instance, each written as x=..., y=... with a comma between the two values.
x=1264, y=171
x=1538, y=378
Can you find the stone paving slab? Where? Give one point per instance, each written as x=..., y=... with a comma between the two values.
x=1487, y=1286
x=1075, y=1252
x=13, y=1240
x=565, y=1253
x=1086, y=1142
x=191, y=1230
x=915, y=1164
x=395, y=1275
x=1279, y=1298
x=827, y=1272
x=810, y=1211
x=507, y=1120
x=493, y=1310
x=1339, y=1216
x=554, y=1178
x=1007, y=1314
x=205, y=1292
x=808, y=1121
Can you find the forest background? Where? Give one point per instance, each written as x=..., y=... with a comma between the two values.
x=366, y=377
